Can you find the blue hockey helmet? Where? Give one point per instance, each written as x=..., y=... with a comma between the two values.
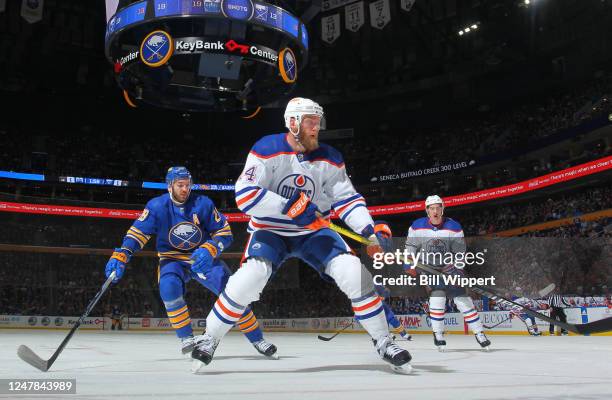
x=175, y=173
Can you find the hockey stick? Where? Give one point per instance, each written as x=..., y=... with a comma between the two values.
x=27, y=355
x=602, y=325
x=327, y=339
x=541, y=293
x=497, y=324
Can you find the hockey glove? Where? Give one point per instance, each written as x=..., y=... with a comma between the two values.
x=204, y=257
x=301, y=210
x=381, y=237
x=117, y=263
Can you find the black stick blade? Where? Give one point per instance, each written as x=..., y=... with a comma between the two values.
x=325, y=339
x=602, y=325
x=31, y=358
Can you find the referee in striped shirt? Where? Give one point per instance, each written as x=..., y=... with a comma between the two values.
x=557, y=303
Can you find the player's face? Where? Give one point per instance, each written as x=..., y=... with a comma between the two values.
x=180, y=190
x=435, y=212
x=309, y=132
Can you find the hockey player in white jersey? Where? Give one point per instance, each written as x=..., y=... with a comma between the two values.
x=516, y=311
x=438, y=234
x=289, y=185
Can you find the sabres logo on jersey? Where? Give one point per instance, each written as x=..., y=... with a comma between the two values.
x=185, y=236
x=291, y=183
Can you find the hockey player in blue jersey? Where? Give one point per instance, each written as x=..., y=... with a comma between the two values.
x=191, y=234
x=289, y=185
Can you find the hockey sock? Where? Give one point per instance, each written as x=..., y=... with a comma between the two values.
x=242, y=288
x=368, y=311
x=470, y=315
x=356, y=282
x=250, y=327
x=437, y=307
x=171, y=291
x=180, y=320
x=224, y=315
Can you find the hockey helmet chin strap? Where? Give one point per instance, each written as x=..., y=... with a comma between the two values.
x=296, y=134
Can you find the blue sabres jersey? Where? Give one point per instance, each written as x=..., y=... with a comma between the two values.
x=179, y=229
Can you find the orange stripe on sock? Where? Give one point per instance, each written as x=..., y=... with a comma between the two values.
x=177, y=312
x=182, y=324
x=366, y=306
x=228, y=312
x=251, y=329
x=176, y=320
x=246, y=326
x=246, y=318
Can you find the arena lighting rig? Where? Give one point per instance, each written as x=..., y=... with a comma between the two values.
x=205, y=55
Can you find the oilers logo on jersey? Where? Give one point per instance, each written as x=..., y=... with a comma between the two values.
x=296, y=182
x=435, y=246
x=185, y=236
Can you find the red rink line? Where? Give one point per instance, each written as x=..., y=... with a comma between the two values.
x=592, y=167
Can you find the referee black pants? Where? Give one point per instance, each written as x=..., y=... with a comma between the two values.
x=558, y=314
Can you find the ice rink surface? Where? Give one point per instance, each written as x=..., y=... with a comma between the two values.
x=129, y=365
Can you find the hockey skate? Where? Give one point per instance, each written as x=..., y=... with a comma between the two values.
x=202, y=354
x=394, y=355
x=482, y=340
x=267, y=349
x=439, y=341
x=402, y=332
x=533, y=331
x=187, y=345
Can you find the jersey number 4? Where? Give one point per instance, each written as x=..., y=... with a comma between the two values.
x=250, y=174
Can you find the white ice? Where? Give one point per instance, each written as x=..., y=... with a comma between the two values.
x=131, y=365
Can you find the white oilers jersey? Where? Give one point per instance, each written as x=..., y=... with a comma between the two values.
x=274, y=172
x=446, y=238
x=525, y=302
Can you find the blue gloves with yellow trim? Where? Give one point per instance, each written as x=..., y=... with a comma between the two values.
x=204, y=257
x=117, y=263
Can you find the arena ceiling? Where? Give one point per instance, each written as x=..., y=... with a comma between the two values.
x=419, y=52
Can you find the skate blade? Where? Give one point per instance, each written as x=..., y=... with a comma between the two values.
x=197, y=366
x=273, y=356
x=486, y=349
x=441, y=349
x=405, y=369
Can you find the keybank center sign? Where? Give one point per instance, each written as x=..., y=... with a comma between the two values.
x=191, y=45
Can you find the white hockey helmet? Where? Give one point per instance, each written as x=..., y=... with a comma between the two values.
x=297, y=108
x=433, y=199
